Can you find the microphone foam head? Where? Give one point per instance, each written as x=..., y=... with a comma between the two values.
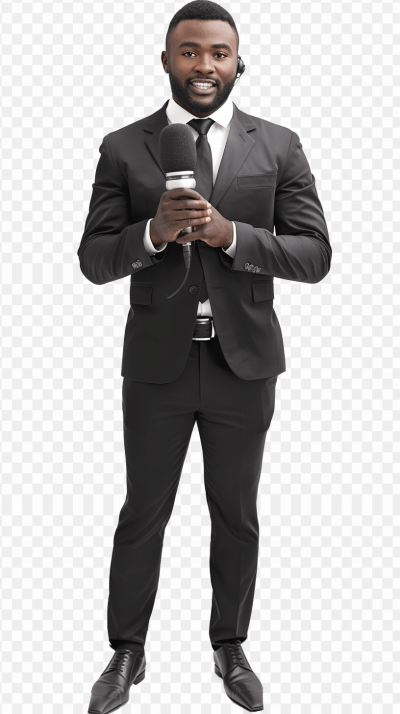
x=177, y=148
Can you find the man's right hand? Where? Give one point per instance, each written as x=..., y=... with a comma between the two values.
x=178, y=209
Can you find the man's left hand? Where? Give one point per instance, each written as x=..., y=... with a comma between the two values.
x=217, y=233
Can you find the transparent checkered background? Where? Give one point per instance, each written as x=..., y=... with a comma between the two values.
x=324, y=634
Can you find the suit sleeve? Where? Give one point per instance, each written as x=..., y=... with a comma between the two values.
x=301, y=249
x=112, y=246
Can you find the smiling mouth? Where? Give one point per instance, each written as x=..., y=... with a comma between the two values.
x=202, y=87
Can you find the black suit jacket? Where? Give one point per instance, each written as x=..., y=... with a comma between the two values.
x=264, y=179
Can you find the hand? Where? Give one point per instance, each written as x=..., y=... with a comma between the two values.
x=217, y=233
x=178, y=209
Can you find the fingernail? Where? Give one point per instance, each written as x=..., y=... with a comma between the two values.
x=208, y=205
x=208, y=218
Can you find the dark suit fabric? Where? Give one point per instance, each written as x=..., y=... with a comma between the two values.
x=233, y=416
x=264, y=180
x=227, y=384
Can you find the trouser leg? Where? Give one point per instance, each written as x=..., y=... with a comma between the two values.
x=158, y=423
x=233, y=421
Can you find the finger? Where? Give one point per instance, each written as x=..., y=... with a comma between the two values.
x=181, y=203
x=185, y=223
x=175, y=193
x=189, y=214
x=188, y=238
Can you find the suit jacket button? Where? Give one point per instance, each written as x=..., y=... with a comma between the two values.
x=193, y=290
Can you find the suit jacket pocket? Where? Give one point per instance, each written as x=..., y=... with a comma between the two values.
x=141, y=294
x=262, y=290
x=256, y=181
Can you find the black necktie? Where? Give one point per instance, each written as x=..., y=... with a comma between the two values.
x=203, y=172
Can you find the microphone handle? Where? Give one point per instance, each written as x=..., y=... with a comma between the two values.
x=177, y=182
x=188, y=229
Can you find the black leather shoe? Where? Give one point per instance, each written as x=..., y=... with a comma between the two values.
x=241, y=685
x=111, y=691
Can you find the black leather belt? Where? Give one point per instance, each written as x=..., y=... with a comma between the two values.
x=204, y=328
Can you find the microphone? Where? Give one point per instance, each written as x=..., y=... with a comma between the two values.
x=178, y=157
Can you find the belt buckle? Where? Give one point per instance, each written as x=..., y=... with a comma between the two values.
x=204, y=320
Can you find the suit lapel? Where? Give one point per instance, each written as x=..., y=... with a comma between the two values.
x=153, y=126
x=238, y=146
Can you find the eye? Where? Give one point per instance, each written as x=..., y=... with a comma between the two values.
x=189, y=52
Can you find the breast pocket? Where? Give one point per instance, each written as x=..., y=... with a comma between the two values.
x=257, y=181
x=262, y=290
x=141, y=294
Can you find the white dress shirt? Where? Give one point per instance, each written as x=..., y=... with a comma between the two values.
x=217, y=136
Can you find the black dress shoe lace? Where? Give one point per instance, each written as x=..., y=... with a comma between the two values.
x=236, y=652
x=118, y=662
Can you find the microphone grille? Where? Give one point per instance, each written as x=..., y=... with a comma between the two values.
x=177, y=148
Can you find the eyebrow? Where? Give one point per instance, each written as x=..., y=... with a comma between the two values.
x=222, y=45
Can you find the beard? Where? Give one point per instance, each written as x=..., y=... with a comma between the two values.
x=182, y=92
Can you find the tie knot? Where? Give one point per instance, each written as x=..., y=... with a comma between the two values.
x=201, y=125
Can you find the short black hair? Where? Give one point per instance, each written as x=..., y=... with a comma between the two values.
x=201, y=10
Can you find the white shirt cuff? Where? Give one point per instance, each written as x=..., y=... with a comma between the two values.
x=152, y=249
x=148, y=244
x=232, y=248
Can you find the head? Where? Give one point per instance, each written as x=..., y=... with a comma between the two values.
x=202, y=43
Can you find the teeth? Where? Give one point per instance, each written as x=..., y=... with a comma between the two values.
x=203, y=85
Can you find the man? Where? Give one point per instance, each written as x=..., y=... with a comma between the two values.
x=212, y=353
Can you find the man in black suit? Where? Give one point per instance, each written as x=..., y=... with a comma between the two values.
x=211, y=354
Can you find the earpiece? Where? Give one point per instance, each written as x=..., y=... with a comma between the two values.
x=240, y=68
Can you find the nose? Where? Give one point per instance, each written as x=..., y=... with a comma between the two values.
x=204, y=65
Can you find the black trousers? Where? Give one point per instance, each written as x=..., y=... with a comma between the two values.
x=233, y=417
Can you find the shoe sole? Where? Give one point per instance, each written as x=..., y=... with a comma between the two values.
x=138, y=679
x=257, y=709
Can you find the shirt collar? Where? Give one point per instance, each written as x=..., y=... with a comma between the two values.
x=222, y=115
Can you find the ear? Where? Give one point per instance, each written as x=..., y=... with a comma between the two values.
x=164, y=61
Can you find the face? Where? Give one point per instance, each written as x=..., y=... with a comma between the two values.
x=191, y=56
